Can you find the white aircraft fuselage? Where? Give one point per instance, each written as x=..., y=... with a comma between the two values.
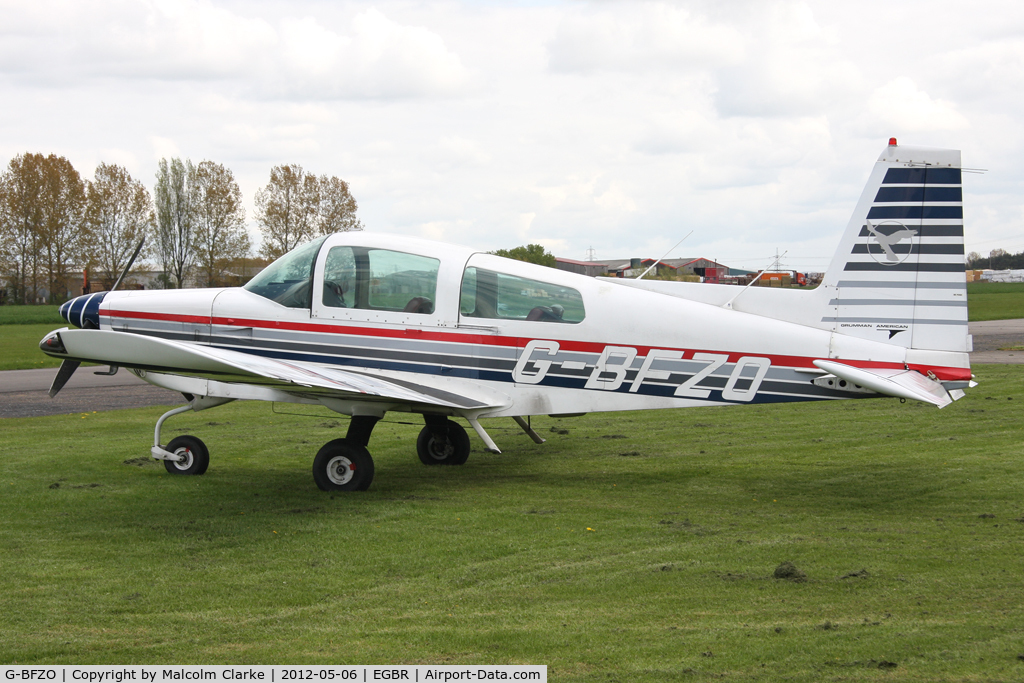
x=366, y=323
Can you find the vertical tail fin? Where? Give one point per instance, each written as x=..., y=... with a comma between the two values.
x=899, y=270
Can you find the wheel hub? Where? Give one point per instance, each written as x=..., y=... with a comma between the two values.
x=340, y=470
x=441, y=450
x=184, y=458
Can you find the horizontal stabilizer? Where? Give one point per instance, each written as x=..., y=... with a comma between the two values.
x=891, y=382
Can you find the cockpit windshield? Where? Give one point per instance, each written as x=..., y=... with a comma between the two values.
x=289, y=279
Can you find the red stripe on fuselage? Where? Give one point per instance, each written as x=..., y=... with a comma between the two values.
x=943, y=373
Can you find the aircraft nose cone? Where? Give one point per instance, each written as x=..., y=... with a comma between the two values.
x=83, y=311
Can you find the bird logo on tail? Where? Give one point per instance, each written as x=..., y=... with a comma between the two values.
x=887, y=242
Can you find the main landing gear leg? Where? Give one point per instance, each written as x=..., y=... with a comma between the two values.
x=185, y=454
x=345, y=464
x=442, y=442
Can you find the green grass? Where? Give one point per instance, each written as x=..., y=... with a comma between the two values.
x=20, y=344
x=30, y=315
x=21, y=328
x=637, y=547
x=995, y=300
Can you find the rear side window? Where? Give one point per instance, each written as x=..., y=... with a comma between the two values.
x=489, y=294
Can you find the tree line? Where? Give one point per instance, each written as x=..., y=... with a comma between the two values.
x=997, y=259
x=54, y=223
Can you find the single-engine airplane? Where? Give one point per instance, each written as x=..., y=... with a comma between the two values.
x=366, y=323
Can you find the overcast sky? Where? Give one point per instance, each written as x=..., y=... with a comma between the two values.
x=606, y=125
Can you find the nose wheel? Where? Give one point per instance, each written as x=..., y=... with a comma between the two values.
x=192, y=456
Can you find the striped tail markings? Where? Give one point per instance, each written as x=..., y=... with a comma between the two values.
x=898, y=275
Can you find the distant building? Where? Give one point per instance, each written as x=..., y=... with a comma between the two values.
x=591, y=268
x=1002, y=276
x=707, y=269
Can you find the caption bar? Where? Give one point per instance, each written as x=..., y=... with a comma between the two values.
x=270, y=674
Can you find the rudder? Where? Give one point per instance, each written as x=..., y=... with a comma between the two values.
x=898, y=276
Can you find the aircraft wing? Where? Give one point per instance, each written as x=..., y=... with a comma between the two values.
x=173, y=357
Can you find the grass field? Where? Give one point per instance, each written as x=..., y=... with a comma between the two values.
x=995, y=300
x=30, y=315
x=634, y=547
x=21, y=328
x=20, y=344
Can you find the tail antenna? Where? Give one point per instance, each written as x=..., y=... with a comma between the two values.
x=776, y=259
x=641, y=276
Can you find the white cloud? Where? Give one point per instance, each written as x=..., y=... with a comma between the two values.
x=640, y=37
x=380, y=58
x=900, y=106
x=617, y=125
x=164, y=148
x=793, y=66
x=370, y=56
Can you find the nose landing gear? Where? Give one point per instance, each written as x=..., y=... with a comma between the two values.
x=185, y=454
x=192, y=456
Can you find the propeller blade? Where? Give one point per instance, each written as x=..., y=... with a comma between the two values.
x=67, y=368
x=131, y=262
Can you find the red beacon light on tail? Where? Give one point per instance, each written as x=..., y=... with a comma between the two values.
x=892, y=142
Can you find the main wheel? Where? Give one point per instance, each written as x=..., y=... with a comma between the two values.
x=342, y=466
x=195, y=457
x=433, y=451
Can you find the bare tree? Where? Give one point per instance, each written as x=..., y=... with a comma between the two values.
x=296, y=206
x=219, y=221
x=283, y=209
x=336, y=210
x=175, y=194
x=41, y=203
x=119, y=213
x=22, y=216
x=64, y=232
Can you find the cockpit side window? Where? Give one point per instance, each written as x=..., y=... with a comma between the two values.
x=340, y=278
x=380, y=279
x=289, y=279
x=488, y=294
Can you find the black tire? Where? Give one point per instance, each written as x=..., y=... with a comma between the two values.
x=343, y=466
x=433, y=452
x=197, y=456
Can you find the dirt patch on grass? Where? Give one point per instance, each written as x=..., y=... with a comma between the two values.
x=687, y=526
x=860, y=574
x=787, y=571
